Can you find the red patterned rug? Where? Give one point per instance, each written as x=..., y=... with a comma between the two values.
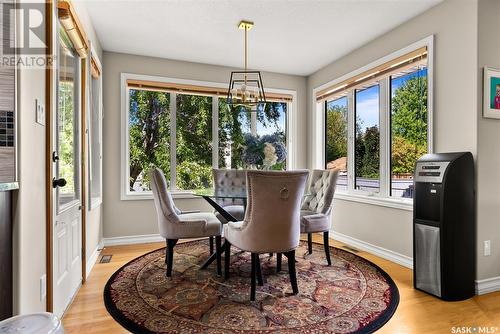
x=351, y=296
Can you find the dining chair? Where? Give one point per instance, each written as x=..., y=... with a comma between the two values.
x=230, y=182
x=272, y=221
x=315, y=214
x=175, y=225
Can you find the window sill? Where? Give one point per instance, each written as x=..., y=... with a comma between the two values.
x=149, y=196
x=401, y=204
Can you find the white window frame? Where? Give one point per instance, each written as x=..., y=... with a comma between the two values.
x=317, y=130
x=126, y=194
x=95, y=201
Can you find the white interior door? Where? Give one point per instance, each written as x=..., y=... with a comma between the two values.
x=67, y=239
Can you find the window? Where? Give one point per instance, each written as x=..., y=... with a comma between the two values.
x=408, y=128
x=95, y=134
x=336, y=139
x=194, y=141
x=187, y=130
x=377, y=124
x=235, y=124
x=367, y=140
x=149, y=136
x=271, y=124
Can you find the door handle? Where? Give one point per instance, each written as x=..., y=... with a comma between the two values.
x=58, y=182
x=55, y=157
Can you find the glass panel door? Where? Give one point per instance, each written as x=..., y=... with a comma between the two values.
x=67, y=125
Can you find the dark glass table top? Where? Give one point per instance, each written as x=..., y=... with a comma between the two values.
x=210, y=192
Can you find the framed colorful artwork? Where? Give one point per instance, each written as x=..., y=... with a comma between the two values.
x=491, y=100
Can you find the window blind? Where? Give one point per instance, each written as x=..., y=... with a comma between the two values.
x=196, y=89
x=71, y=24
x=414, y=59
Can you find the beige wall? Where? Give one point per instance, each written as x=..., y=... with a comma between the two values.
x=454, y=24
x=29, y=207
x=126, y=218
x=488, y=161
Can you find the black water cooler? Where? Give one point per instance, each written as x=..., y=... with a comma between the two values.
x=444, y=246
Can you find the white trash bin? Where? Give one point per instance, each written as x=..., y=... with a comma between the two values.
x=36, y=323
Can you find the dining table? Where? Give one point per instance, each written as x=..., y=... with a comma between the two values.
x=211, y=196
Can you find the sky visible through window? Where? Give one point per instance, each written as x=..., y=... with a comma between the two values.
x=271, y=127
x=265, y=128
x=368, y=99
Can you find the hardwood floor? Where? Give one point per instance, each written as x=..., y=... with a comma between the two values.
x=417, y=312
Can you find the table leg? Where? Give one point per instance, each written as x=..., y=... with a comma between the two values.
x=229, y=218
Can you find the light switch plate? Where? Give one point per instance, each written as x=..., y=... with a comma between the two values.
x=40, y=112
x=43, y=287
x=487, y=248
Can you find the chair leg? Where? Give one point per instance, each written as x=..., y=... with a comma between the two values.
x=309, y=243
x=278, y=262
x=260, y=279
x=211, y=239
x=227, y=253
x=327, y=247
x=291, y=270
x=218, y=254
x=252, y=276
x=170, y=255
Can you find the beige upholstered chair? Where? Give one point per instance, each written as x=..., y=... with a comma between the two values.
x=272, y=220
x=230, y=182
x=175, y=225
x=317, y=207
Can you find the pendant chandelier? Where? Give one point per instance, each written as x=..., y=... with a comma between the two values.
x=245, y=87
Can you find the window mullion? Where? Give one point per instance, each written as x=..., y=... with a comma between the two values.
x=215, y=132
x=351, y=135
x=173, y=141
x=385, y=138
x=253, y=123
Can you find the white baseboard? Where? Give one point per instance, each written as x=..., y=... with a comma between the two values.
x=488, y=285
x=92, y=260
x=387, y=254
x=133, y=239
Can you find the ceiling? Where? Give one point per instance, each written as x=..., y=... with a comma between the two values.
x=290, y=36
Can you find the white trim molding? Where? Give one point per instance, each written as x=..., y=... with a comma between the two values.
x=387, y=254
x=92, y=260
x=389, y=202
x=317, y=127
x=487, y=285
x=133, y=239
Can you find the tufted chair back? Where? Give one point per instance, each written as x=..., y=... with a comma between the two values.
x=272, y=220
x=166, y=210
x=230, y=181
x=322, y=185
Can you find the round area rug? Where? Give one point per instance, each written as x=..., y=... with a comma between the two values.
x=351, y=296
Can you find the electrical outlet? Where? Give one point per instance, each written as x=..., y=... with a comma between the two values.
x=40, y=112
x=487, y=248
x=43, y=287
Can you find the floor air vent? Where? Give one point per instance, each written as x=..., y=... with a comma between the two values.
x=106, y=259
